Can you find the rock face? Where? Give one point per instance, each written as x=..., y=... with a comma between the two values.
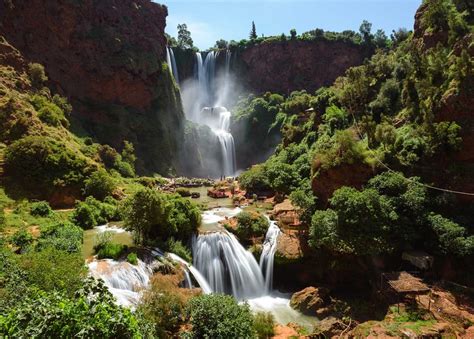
x=310, y=300
x=107, y=57
x=284, y=67
x=326, y=182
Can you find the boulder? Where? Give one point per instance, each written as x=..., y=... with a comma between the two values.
x=310, y=300
x=328, y=328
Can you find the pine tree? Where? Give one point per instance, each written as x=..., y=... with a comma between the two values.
x=253, y=32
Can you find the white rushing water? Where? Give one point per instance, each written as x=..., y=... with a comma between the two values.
x=204, y=98
x=221, y=265
x=227, y=266
x=171, y=61
x=268, y=254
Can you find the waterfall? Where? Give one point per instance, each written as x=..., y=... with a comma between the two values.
x=170, y=60
x=206, y=289
x=227, y=266
x=205, y=106
x=268, y=254
x=125, y=281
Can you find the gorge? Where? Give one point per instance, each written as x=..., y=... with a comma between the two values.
x=304, y=184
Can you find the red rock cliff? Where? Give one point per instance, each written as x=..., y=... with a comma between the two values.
x=294, y=65
x=107, y=57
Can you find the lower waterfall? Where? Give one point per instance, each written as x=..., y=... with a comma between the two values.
x=227, y=266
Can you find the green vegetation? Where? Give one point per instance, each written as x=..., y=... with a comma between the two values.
x=384, y=113
x=264, y=325
x=132, y=258
x=92, y=212
x=251, y=224
x=152, y=216
x=91, y=312
x=220, y=316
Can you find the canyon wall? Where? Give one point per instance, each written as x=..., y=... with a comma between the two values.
x=108, y=57
x=283, y=67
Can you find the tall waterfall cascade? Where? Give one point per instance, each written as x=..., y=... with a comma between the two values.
x=204, y=99
x=171, y=61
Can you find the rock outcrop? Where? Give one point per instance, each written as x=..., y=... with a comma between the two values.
x=284, y=67
x=108, y=58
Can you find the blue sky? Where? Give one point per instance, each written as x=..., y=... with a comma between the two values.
x=209, y=21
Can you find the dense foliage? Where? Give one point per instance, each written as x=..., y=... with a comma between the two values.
x=220, y=316
x=251, y=224
x=157, y=216
x=386, y=113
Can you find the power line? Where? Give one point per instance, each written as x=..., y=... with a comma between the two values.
x=396, y=172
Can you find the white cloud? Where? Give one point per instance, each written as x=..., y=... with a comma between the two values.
x=201, y=32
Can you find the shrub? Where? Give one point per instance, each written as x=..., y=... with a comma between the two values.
x=22, y=239
x=85, y=215
x=184, y=192
x=52, y=269
x=111, y=250
x=43, y=164
x=41, y=209
x=264, y=325
x=251, y=224
x=100, y=184
x=164, y=309
x=37, y=75
x=220, y=316
x=177, y=247
x=108, y=155
x=63, y=236
x=52, y=115
x=132, y=258
x=255, y=180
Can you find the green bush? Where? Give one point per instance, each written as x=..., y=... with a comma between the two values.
x=22, y=239
x=52, y=115
x=164, y=309
x=37, y=75
x=177, y=247
x=264, y=325
x=41, y=209
x=92, y=212
x=63, y=236
x=220, y=316
x=43, y=164
x=153, y=216
x=132, y=258
x=111, y=250
x=91, y=313
x=254, y=180
x=184, y=192
x=251, y=224
x=52, y=269
x=99, y=185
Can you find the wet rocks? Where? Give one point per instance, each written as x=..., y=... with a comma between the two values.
x=310, y=300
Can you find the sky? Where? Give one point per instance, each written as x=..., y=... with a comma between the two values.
x=209, y=21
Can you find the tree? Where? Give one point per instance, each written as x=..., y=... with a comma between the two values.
x=380, y=38
x=37, y=75
x=253, y=32
x=221, y=44
x=364, y=30
x=153, y=215
x=100, y=184
x=293, y=34
x=184, y=37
